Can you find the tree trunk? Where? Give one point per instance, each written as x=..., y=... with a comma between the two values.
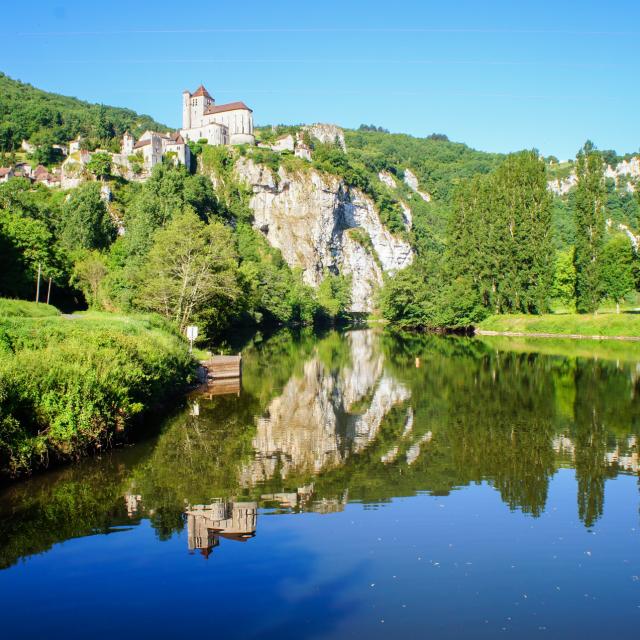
x=49, y=291
x=38, y=285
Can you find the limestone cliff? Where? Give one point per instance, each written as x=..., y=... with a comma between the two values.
x=322, y=225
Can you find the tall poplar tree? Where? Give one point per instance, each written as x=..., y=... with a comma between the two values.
x=589, y=202
x=500, y=236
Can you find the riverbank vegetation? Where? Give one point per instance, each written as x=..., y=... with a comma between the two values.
x=70, y=385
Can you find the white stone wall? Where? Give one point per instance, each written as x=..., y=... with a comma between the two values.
x=214, y=133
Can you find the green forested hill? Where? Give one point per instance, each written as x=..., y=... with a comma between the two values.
x=48, y=118
x=438, y=163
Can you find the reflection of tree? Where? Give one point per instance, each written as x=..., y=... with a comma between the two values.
x=491, y=409
x=72, y=502
x=594, y=396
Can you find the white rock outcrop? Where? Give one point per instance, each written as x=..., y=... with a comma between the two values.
x=629, y=170
x=562, y=186
x=411, y=181
x=308, y=215
x=327, y=134
x=386, y=178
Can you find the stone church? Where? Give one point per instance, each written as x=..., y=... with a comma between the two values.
x=202, y=118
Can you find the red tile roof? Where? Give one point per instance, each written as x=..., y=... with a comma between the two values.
x=232, y=106
x=201, y=91
x=141, y=143
x=175, y=138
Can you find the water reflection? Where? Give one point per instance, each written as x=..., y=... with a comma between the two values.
x=349, y=418
x=324, y=414
x=207, y=523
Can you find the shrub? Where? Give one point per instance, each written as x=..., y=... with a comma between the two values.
x=68, y=386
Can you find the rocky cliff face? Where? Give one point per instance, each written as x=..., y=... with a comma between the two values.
x=310, y=216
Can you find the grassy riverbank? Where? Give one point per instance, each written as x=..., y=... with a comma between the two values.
x=606, y=324
x=69, y=385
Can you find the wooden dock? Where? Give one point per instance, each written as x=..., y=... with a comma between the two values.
x=223, y=367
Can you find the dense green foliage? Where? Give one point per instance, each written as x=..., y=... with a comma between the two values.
x=501, y=236
x=48, y=118
x=68, y=386
x=86, y=223
x=617, y=268
x=439, y=165
x=30, y=229
x=498, y=255
x=510, y=247
x=590, y=229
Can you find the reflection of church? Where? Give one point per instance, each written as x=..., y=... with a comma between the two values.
x=207, y=523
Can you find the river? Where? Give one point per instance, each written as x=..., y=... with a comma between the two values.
x=355, y=485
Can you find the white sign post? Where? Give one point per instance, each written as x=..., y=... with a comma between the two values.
x=192, y=334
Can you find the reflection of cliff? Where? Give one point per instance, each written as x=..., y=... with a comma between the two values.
x=325, y=414
x=624, y=455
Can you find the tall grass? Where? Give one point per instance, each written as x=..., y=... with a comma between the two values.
x=72, y=385
x=24, y=309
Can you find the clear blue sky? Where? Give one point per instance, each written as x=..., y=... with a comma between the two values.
x=497, y=75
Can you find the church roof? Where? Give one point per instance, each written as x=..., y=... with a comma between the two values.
x=232, y=106
x=201, y=91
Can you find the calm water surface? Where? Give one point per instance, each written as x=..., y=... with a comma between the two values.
x=358, y=485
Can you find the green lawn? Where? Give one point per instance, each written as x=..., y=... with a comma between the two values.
x=610, y=324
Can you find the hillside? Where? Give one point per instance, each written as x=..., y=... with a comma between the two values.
x=313, y=223
x=438, y=163
x=41, y=117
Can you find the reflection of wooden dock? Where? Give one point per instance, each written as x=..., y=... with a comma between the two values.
x=220, y=387
x=223, y=367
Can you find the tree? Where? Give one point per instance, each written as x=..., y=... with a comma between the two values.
x=26, y=248
x=425, y=295
x=616, y=265
x=564, y=281
x=334, y=295
x=500, y=236
x=589, y=215
x=89, y=272
x=100, y=164
x=86, y=221
x=191, y=265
